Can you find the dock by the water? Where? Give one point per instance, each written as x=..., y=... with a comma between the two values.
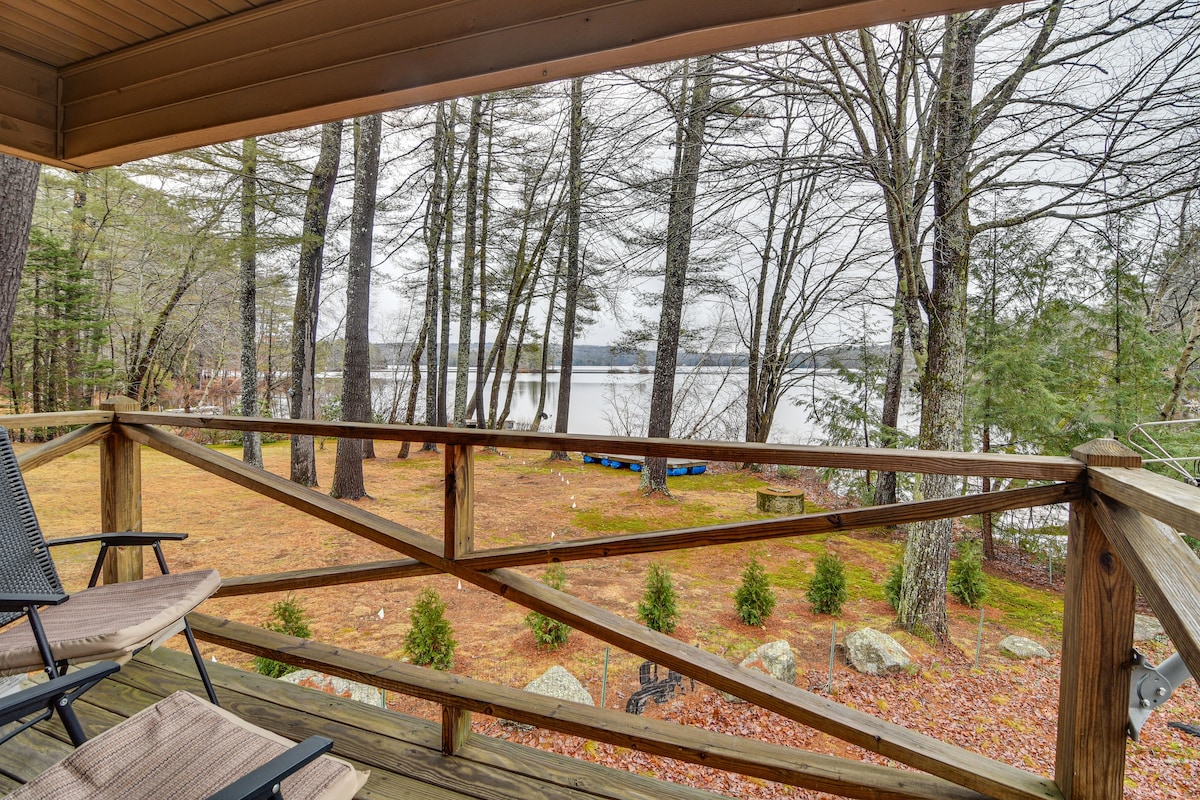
x=675, y=466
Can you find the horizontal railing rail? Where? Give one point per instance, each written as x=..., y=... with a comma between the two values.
x=996, y=465
x=666, y=540
x=1114, y=543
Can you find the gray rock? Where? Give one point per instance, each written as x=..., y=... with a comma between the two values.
x=876, y=653
x=773, y=658
x=1020, y=647
x=556, y=682
x=1146, y=628
x=368, y=695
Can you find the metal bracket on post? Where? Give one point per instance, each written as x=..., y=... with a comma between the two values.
x=1151, y=686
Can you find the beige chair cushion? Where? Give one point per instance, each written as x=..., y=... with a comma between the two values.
x=108, y=622
x=182, y=748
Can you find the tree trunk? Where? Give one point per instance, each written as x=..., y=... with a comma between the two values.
x=79, y=393
x=356, y=370
x=985, y=524
x=427, y=338
x=527, y=266
x=308, y=296
x=443, y=371
x=140, y=375
x=526, y=304
x=754, y=352
x=885, y=483
x=686, y=178
x=434, y=225
x=18, y=191
x=927, y=555
x=544, y=367
x=462, y=367
x=1181, y=367
x=485, y=218
x=574, y=272
x=251, y=440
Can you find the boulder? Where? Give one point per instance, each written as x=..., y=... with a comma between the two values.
x=875, y=653
x=773, y=658
x=1146, y=628
x=556, y=682
x=1020, y=647
x=340, y=686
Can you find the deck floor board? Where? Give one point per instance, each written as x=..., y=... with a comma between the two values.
x=402, y=752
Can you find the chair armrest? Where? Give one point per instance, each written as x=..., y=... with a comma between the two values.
x=119, y=538
x=10, y=601
x=260, y=783
x=44, y=695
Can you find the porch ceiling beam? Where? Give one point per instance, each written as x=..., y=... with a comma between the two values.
x=301, y=62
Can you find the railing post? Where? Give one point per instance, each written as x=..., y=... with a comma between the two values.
x=456, y=729
x=1097, y=646
x=460, y=500
x=121, y=496
x=459, y=541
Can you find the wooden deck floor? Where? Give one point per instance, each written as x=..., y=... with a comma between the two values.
x=403, y=753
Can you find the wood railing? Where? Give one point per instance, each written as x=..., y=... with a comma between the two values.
x=1113, y=547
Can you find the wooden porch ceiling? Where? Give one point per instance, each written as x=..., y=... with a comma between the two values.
x=90, y=83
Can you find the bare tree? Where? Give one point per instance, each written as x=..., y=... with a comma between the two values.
x=308, y=295
x=1050, y=87
x=879, y=81
x=574, y=272
x=356, y=369
x=248, y=241
x=695, y=108
x=470, y=253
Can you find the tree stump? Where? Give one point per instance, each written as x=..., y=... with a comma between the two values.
x=780, y=500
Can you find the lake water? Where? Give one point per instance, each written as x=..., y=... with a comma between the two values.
x=710, y=402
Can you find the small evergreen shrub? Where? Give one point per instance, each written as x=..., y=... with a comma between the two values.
x=659, y=607
x=430, y=641
x=549, y=634
x=827, y=590
x=891, y=587
x=967, y=581
x=287, y=616
x=754, y=599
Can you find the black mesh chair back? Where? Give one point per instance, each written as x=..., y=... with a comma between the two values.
x=110, y=622
x=25, y=564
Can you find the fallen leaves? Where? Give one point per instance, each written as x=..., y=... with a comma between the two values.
x=1009, y=715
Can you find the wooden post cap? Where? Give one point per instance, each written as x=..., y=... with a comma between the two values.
x=119, y=403
x=780, y=500
x=1106, y=453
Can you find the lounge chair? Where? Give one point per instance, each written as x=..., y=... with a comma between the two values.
x=181, y=748
x=109, y=622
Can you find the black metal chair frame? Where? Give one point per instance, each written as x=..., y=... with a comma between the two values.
x=36, y=704
x=29, y=579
